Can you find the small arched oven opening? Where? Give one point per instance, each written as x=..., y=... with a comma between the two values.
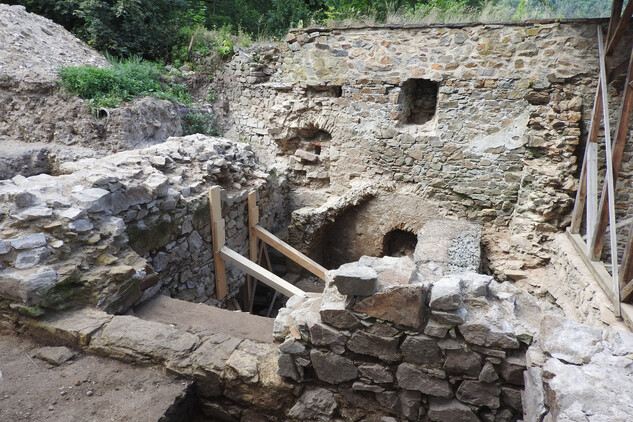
x=399, y=243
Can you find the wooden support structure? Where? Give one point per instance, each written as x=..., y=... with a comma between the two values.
x=218, y=236
x=251, y=266
x=600, y=214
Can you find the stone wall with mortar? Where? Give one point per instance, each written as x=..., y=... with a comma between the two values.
x=512, y=105
x=116, y=231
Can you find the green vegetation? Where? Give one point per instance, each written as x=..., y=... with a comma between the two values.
x=174, y=30
x=195, y=122
x=108, y=87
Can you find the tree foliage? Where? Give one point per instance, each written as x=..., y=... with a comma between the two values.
x=154, y=29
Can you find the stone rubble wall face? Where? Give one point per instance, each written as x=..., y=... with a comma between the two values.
x=512, y=105
x=116, y=231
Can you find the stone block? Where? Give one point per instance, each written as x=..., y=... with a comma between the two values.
x=31, y=241
x=306, y=155
x=512, y=397
x=30, y=258
x=377, y=373
x=463, y=363
x=384, y=348
x=435, y=329
x=322, y=335
x=446, y=294
x=413, y=378
x=568, y=340
x=442, y=410
x=479, y=394
x=55, y=355
x=318, y=404
x=332, y=368
x=487, y=335
x=354, y=279
x=75, y=328
x=488, y=373
x=450, y=318
x=403, y=305
x=512, y=369
x=421, y=349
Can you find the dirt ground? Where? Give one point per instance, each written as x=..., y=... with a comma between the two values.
x=87, y=388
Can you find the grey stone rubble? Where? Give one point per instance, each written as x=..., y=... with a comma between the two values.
x=445, y=348
x=111, y=232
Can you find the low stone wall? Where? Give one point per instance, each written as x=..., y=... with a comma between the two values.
x=115, y=231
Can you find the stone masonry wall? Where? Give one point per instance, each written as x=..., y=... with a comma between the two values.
x=511, y=106
x=116, y=231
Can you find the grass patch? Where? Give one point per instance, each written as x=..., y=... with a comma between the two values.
x=124, y=80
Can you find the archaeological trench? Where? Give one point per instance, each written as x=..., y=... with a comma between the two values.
x=430, y=169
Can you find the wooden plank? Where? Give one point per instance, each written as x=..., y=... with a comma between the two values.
x=253, y=220
x=291, y=252
x=626, y=291
x=592, y=136
x=618, y=150
x=627, y=314
x=218, y=237
x=261, y=274
x=616, y=13
x=592, y=189
x=597, y=268
x=622, y=23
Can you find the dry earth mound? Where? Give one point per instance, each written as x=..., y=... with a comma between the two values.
x=42, y=126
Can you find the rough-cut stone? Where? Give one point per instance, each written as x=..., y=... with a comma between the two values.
x=317, y=404
x=411, y=377
x=512, y=369
x=462, y=362
x=442, y=410
x=55, y=355
x=333, y=309
x=402, y=305
x=421, y=349
x=446, y=294
x=435, y=329
x=332, y=368
x=512, y=397
x=479, y=394
x=368, y=344
x=486, y=335
x=322, y=335
x=29, y=242
x=568, y=340
x=306, y=155
x=354, y=279
x=488, y=373
x=292, y=346
x=455, y=317
x=376, y=373
x=288, y=368
x=410, y=404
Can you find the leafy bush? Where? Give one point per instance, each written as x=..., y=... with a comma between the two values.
x=108, y=87
x=195, y=122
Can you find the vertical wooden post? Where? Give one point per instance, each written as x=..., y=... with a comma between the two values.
x=609, y=179
x=253, y=220
x=219, y=239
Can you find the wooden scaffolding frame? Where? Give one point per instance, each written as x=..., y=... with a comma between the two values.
x=600, y=210
x=251, y=266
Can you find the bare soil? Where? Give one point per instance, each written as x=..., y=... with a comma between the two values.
x=86, y=388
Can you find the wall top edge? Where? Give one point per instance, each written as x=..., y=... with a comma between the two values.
x=448, y=25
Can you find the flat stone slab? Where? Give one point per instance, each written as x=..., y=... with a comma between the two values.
x=55, y=355
x=74, y=327
x=205, y=320
x=128, y=337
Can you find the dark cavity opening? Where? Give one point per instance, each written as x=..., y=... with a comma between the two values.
x=309, y=139
x=419, y=101
x=331, y=91
x=399, y=243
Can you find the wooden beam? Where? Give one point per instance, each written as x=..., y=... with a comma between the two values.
x=616, y=13
x=618, y=70
x=596, y=268
x=621, y=133
x=622, y=23
x=627, y=291
x=261, y=274
x=592, y=137
x=218, y=237
x=290, y=252
x=253, y=220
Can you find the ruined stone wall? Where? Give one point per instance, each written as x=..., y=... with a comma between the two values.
x=485, y=117
x=116, y=231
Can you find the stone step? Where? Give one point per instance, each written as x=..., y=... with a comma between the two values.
x=205, y=320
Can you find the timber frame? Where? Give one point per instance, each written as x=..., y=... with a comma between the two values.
x=600, y=210
x=257, y=254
